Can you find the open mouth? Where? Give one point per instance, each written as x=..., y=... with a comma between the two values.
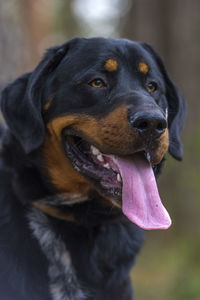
x=128, y=181
x=97, y=167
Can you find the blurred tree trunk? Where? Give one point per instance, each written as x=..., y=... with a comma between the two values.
x=65, y=22
x=12, y=58
x=148, y=21
x=38, y=18
x=25, y=28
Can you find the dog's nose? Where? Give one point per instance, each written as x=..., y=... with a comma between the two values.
x=148, y=122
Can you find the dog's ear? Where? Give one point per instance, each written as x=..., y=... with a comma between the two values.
x=176, y=108
x=21, y=100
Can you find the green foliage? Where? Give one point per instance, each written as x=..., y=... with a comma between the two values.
x=168, y=269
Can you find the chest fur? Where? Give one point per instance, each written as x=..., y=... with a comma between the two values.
x=86, y=262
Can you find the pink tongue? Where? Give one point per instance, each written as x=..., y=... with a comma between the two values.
x=140, y=198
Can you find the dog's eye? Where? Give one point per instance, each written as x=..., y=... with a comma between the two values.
x=151, y=86
x=97, y=83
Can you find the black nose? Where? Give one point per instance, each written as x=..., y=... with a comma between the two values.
x=148, y=122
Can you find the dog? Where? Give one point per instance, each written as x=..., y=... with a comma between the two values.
x=86, y=135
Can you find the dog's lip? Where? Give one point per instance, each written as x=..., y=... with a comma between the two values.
x=71, y=132
x=79, y=152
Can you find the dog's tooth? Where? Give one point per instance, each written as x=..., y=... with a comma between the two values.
x=166, y=113
x=100, y=157
x=107, y=166
x=94, y=150
x=148, y=156
x=119, y=177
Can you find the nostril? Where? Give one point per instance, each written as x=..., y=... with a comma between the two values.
x=142, y=125
x=161, y=126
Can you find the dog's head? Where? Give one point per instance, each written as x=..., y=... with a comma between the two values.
x=98, y=110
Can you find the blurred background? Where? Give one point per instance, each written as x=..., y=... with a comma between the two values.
x=169, y=265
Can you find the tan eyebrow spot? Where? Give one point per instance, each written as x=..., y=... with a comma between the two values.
x=111, y=65
x=143, y=67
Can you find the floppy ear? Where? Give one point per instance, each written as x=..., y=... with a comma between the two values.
x=176, y=119
x=21, y=101
x=176, y=108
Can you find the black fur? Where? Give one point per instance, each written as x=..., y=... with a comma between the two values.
x=102, y=243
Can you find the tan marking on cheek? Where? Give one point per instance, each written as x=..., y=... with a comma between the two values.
x=62, y=174
x=56, y=125
x=164, y=142
x=161, y=148
x=111, y=65
x=116, y=131
x=112, y=129
x=110, y=133
x=143, y=67
x=48, y=104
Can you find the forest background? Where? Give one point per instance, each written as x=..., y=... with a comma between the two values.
x=169, y=265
